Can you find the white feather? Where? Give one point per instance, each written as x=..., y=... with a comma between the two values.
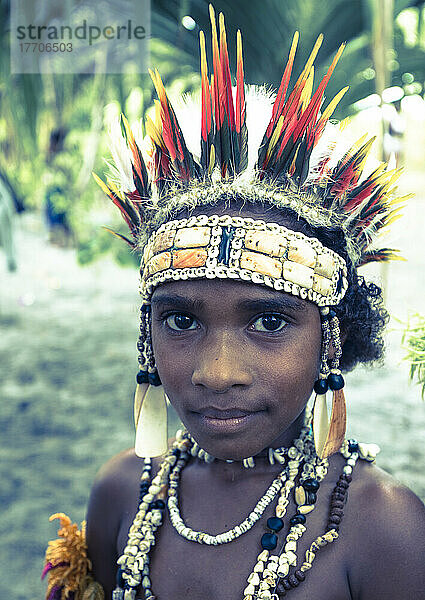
x=188, y=113
x=121, y=155
x=259, y=105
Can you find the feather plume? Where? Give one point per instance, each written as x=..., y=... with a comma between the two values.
x=67, y=565
x=294, y=155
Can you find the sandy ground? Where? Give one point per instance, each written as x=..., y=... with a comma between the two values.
x=67, y=365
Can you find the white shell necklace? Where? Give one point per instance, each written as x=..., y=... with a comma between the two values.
x=289, y=473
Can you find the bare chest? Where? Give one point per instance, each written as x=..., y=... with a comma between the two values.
x=181, y=569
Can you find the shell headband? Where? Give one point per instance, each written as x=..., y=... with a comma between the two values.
x=247, y=249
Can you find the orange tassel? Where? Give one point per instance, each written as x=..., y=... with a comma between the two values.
x=67, y=564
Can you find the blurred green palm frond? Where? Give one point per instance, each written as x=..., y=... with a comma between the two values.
x=267, y=29
x=413, y=341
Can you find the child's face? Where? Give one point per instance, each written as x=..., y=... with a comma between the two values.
x=238, y=361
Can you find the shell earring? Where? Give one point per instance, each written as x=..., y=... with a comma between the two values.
x=150, y=405
x=329, y=434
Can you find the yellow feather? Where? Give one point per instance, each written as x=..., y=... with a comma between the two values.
x=275, y=136
x=204, y=66
x=212, y=18
x=311, y=59
x=101, y=184
x=158, y=120
x=114, y=189
x=364, y=155
x=294, y=46
x=333, y=104
x=308, y=88
x=292, y=167
x=126, y=126
x=222, y=27
x=378, y=171
x=239, y=47
x=212, y=159
x=152, y=76
x=344, y=123
x=396, y=176
x=357, y=145
x=393, y=218
x=153, y=132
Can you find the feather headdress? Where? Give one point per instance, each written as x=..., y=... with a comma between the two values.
x=296, y=165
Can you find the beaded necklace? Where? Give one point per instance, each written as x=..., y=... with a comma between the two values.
x=270, y=578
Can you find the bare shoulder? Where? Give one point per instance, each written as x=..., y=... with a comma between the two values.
x=113, y=494
x=117, y=473
x=377, y=494
x=386, y=524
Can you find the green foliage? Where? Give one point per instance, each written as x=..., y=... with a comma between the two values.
x=103, y=242
x=267, y=33
x=414, y=343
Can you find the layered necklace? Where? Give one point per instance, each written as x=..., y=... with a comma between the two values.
x=275, y=572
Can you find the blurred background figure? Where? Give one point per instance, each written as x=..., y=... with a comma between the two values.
x=394, y=125
x=8, y=205
x=57, y=180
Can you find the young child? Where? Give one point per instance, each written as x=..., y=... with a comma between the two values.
x=250, y=301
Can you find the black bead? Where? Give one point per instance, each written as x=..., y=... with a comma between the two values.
x=154, y=379
x=286, y=584
x=297, y=520
x=293, y=581
x=120, y=580
x=158, y=504
x=311, y=485
x=142, y=377
x=332, y=313
x=338, y=496
x=176, y=452
x=335, y=519
x=321, y=386
x=311, y=498
x=275, y=523
x=335, y=381
x=269, y=541
x=353, y=446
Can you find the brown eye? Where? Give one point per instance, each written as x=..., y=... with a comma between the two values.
x=181, y=322
x=269, y=323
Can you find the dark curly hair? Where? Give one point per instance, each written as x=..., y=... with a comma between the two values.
x=361, y=312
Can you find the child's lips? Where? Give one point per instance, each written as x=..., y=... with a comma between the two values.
x=229, y=420
x=218, y=413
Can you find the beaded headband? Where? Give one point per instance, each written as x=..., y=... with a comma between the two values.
x=246, y=249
